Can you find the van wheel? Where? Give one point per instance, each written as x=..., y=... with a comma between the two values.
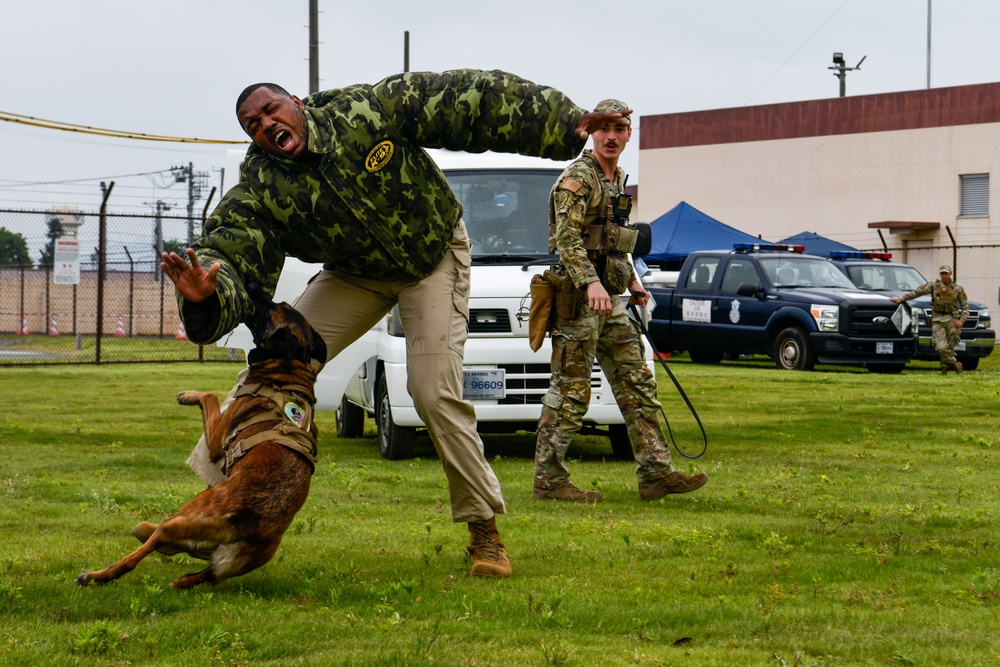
x=791, y=351
x=394, y=442
x=621, y=446
x=350, y=420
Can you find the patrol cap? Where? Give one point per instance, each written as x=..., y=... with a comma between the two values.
x=611, y=106
x=944, y=269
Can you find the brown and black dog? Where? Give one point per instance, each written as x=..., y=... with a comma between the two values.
x=269, y=441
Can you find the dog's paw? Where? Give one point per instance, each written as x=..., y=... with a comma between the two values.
x=83, y=579
x=189, y=397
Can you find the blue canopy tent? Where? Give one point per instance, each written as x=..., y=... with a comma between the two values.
x=684, y=229
x=816, y=244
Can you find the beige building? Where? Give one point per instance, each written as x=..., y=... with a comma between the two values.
x=905, y=171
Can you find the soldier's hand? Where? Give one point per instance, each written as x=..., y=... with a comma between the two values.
x=598, y=298
x=192, y=281
x=594, y=120
x=638, y=296
x=895, y=299
x=957, y=324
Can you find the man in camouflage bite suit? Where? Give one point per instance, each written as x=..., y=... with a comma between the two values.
x=341, y=178
x=586, y=227
x=949, y=310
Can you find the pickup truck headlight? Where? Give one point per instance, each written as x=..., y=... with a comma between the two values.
x=827, y=317
x=984, y=318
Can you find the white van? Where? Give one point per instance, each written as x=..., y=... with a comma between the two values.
x=505, y=198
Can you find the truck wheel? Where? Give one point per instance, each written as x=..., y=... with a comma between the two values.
x=621, y=446
x=969, y=363
x=394, y=442
x=350, y=420
x=791, y=351
x=705, y=356
x=886, y=369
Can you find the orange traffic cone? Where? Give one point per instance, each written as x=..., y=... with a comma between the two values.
x=54, y=327
x=181, y=334
x=120, y=329
x=23, y=331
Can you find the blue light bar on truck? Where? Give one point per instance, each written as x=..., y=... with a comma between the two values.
x=769, y=246
x=856, y=254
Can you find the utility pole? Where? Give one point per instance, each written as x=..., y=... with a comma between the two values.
x=196, y=181
x=840, y=70
x=928, y=44
x=161, y=206
x=406, y=51
x=313, y=46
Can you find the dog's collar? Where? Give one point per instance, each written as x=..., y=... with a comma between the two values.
x=257, y=355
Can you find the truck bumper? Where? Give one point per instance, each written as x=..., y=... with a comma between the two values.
x=978, y=343
x=833, y=348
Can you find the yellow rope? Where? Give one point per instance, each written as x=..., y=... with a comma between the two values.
x=105, y=132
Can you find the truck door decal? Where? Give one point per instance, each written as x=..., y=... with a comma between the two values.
x=697, y=310
x=734, y=312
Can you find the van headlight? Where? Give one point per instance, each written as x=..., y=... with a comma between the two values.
x=394, y=323
x=984, y=319
x=827, y=317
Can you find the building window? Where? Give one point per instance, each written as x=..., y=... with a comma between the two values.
x=975, y=196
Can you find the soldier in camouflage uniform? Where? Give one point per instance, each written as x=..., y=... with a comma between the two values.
x=949, y=310
x=341, y=178
x=593, y=249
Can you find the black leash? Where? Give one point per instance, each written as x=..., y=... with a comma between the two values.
x=680, y=390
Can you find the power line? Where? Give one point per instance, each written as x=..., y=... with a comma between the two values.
x=808, y=39
x=105, y=132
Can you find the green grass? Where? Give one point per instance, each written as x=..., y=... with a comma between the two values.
x=850, y=519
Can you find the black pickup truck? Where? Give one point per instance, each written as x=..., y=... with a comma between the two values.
x=773, y=300
x=877, y=272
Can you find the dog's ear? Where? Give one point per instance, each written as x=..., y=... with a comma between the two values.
x=260, y=323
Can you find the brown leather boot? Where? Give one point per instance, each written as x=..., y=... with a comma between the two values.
x=567, y=492
x=489, y=556
x=675, y=482
x=958, y=367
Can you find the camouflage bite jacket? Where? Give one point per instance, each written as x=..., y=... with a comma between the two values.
x=368, y=200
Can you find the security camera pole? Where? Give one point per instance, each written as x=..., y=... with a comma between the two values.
x=841, y=70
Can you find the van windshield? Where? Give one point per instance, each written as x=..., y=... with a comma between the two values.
x=506, y=210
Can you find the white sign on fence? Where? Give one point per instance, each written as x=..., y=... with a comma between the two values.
x=66, y=267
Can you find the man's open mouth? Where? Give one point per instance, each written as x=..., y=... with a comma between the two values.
x=282, y=138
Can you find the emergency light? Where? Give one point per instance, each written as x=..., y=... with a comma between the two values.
x=769, y=246
x=856, y=254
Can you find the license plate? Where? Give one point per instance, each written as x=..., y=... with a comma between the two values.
x=960, y=347
x=883, y=348
x=484, y=383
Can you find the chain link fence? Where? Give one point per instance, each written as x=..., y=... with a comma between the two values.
x=120, y=308
x=976, y=267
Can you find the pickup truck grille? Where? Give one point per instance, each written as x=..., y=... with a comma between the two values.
x=970, y=324
x=527, y=383
x=489, y=321
x=861, y=321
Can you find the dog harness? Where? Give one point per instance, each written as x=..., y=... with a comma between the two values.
x=292, y=406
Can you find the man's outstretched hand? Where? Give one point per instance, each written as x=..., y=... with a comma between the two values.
x=193, y=282
x=594, y=120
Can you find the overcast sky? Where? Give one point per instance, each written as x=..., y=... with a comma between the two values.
x=175, y=68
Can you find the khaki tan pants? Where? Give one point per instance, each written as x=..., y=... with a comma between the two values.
x=343, y=307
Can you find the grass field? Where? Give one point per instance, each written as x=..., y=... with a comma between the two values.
x=850, y=519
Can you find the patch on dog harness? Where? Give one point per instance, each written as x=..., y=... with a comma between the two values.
x=296, y=435
x=297, y=415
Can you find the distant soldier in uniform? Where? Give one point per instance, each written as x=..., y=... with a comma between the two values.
x=949, y=310
x=588, y=225
x=341, y=178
